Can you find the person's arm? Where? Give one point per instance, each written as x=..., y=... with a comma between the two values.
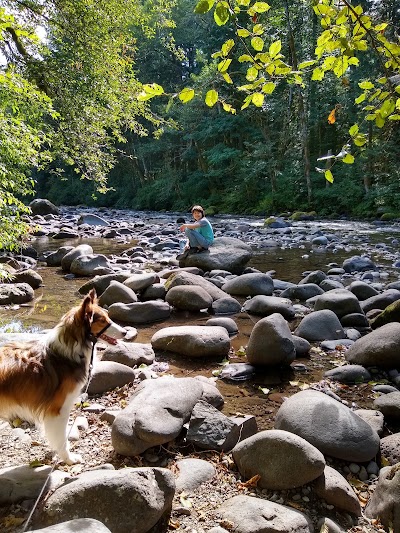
x=190, y=226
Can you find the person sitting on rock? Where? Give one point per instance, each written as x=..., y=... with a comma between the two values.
x=200, y=233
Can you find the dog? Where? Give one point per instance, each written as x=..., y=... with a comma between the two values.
x=40, y=380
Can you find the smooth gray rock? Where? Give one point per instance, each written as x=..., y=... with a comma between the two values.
x=267, y=305
x=29, y=276
x=385, y=500
x=271, y=342
x=83, y=525
x=100, y=283
x=358, y=263
x=90, y=265
x=302, y=346
x=140, y=282
x=337, y=491
x=228, y=323
x=255, y=515
x=373, y=417
x=91, y=220
x=282, y=459
x=129, y=353
x=193, y=341
x=378, y=348
x=42, y=206
x=362, y=290
x=189, y=298
x=117, y=292
x=15, y=293
x=155, y=414
x=302, y=292
x=341, y=301
x=140, y=312
x=78, y=251
x=329, y=425
x=108, y=375
x=54, y=259
x=187, y=278
x=107, y=495
x=156, y=291
x=193, y=473
x=250, y=285
x=380, y=301
x=389, y=404
x=319, y=326
x=348, y=374
x=226, y=306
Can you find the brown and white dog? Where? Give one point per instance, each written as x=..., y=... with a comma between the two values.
x=41, y=379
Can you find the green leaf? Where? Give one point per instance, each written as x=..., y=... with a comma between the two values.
x=227, y=47
x=203, y=6
x=328, y=176
x=379, y=121
x=269, y=87
x=226, y=77
x=246, y=102
x=360, y=139
x=243, y=33
x=211, y=98
x=306, y=64
x=275, y=48
x=252, y=74
x=221, y=14
x=349, y=159
x=318, y=74
x=245, y=57
x=387, y=108
x=353, y=130
x=224, y=65
x=186, y=95
x=257, y=43
x=366, y=85
x=360, y=98
x=258, y=29
x=227, y=107
x=258, y=99
x=260, y=7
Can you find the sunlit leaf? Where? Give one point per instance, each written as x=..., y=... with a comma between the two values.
x=186, y=95
x=243, y=33
x=353, y=130
x=203, y=6
x=258, y=99
x=211, y=98
x=260, y=7
x=268, y=88
x=252, y=74
x=349, y=159
x=227, y=47
x=224, y=65
x=257, y=43
x=306, y=64
x=329, y=176
x=360, y=98
x=332, y=116
x=366, y=85
x=275, y=48
x=221, y=14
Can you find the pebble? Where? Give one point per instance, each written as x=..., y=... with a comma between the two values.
x=354, y=468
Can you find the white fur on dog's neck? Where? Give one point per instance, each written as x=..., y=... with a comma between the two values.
x=76, y=350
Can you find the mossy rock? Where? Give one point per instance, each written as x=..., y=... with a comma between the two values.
x=390, y=314
x=270, y=220
x=390, y=216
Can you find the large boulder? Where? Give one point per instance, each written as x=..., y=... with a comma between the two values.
x=320, y=326
x=193, y=341
x=187, y=278
x=341, y=301
x=189, y=298
x=267, y=305
x=15, y=293
x=41, y=206
x=378, y=348
x=107, y=495
x=329, y=425
x=226, y=253
x=250, y=285
x=140, y=312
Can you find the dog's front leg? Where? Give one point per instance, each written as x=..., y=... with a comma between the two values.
x=55, y=428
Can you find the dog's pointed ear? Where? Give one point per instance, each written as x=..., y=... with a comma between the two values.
x=86, y=310
x=93, y=295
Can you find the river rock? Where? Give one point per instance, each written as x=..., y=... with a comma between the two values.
x=390, y=448
x=362, y=290
x=391, y=313
x=117, y=292
x=319, y=326
x=193, y=473
x=250, y=285
x=226, y=253
x=337, y=491
x=100, y=283
x=358, y=263
x=341, y=301
x=348, y=374
x=156, y=291
x=140, y=312
x=302, y=292
x=378, y=348
x=108, y=375
x=271, y=342
x=91, y=220
x=29, y=276
x=316, y=276
x=41, y=206
x=54, y=258
x=106, y=495
x=267, y=305
x=389, y=404
x=329, y=425
x=373, y=417
x=385, y=500
x=228, y=323
x=226, y=306
x=380, y=301
x=193, y=341
x=86, y=525
x=90, y=265
x=140, y=282
x=15, y=293
x=282, y=459
x=249, y=514
x=187, y=278
x=129, y=353
x=78, y=251
x=155, y=414
x=189, y=298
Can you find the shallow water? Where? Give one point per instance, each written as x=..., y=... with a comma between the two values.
x=58, y=294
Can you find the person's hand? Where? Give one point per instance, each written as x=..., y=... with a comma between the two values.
x=182, y=228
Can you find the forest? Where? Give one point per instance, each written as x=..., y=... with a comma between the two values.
x=241, y=106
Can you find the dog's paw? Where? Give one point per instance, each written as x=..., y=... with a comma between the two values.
x=73, y=458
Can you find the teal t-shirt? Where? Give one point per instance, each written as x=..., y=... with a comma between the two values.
x=206, y=229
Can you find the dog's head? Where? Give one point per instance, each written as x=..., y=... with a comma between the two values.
x=98, y=322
